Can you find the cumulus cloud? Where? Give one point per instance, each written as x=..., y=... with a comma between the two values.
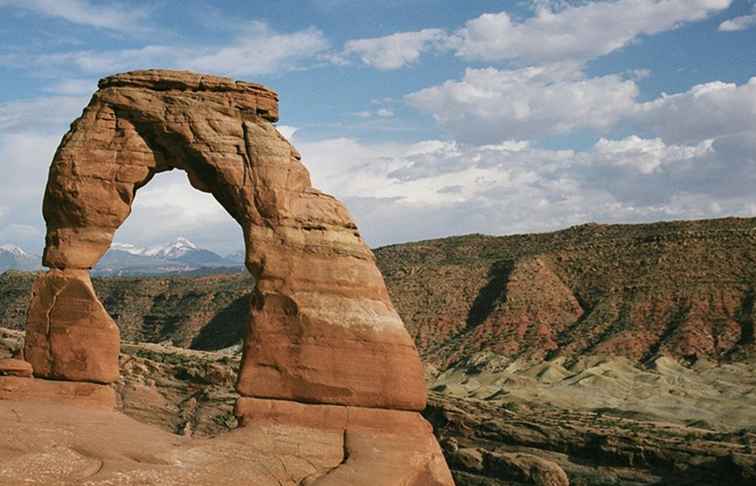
x=580, y=32
x=556, y=32
x=737, y=24
x=488, y=105
x=256, y=50
x=395, y=50
x=122, y=18
x=704, y=111
x=434, y=188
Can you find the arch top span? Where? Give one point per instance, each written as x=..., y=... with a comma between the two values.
x=322, y=327
x=256, y=98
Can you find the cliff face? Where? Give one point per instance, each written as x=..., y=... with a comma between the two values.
x=683, y=289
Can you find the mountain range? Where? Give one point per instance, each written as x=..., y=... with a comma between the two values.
x=13, y=257
x=179, y=256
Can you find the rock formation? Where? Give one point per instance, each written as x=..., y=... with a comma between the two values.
x=323, y=331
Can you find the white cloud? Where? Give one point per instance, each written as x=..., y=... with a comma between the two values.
x=123, y=18
x=400, y=192
x=489, y=105
x=72, y=87
x=47, y=113
x=704, y=111
x=556, y=32
x=737, y=24
x=395, y=50
x=256, y=50
x=644, y=155
x=259, y=50
x=580, y=32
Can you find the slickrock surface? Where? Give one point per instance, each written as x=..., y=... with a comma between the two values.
x=323, y=329
x=63, y=445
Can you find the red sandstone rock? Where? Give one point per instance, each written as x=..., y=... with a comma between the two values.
x=69, y=334
x=63, y=392
x=380, y=447
x=45, y=443
x=323, y=329
x=15, y=367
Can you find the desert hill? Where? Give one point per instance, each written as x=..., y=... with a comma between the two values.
x=683, y=289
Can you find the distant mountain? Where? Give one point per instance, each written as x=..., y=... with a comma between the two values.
x=180, y=256
x=13, y=257
x=236, y=257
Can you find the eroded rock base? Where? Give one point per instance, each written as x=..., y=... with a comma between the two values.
x=69, y=334
x=82, y=394
x=46, y=443
x=378, y=447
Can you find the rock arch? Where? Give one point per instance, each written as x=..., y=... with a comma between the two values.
x=322, y=330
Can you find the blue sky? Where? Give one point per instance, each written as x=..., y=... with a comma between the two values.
x=428, y=118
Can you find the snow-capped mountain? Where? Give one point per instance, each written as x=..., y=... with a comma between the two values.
x=13, y=257
x=180, y=255
x=177, y=249
x=13, y=250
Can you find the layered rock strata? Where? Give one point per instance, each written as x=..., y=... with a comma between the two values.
x=323, y=329
x=325, y=352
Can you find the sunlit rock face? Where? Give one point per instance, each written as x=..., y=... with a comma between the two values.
x=323, y=329
x=325, y=352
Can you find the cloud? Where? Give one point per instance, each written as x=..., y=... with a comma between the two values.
x=737, y=24
x=121, y=18
x=25, y=157
x=577, y=33
x=260, y=50
x=704, y=111
x=400, y=192
x=256, y=50
x=644, y=156
x=556, y=32
x=395, y=50
x=44, y=114
x=489, y=105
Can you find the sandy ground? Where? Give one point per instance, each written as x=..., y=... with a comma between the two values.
x=705, y=395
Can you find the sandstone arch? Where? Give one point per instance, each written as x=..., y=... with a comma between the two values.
x=323, y=329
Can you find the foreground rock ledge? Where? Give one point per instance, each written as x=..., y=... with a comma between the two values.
x=47, y=443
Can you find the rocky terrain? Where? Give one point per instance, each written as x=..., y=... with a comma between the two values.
x=682, y=289
x=674, y=425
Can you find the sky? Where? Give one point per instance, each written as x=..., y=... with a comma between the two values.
x=427, y=118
